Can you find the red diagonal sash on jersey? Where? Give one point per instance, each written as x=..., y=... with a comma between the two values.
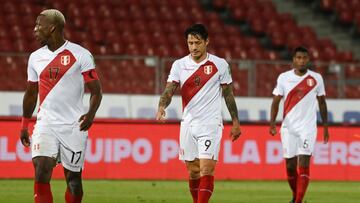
x=196, y=81
x=54, y=71
x=298, y=93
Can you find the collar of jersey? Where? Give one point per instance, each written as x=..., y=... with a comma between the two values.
x=307, y=73
x=201, y=62
x=60, y=49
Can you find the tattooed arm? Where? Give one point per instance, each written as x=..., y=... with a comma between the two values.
x=165, y=100
x=231, y=105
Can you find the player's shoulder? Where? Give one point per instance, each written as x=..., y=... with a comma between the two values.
x=181, y=61
x=286, y=74
x=39, y=52
x=218, y=61
x=316, y=75
x=76, y=48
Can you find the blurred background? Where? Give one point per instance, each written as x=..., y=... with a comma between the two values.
x=134, y=43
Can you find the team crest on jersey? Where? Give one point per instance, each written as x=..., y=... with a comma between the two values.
x=310, y=82
x=65, y=60
x=208, y=69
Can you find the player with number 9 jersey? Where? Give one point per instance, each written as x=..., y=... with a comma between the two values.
x=203, y=79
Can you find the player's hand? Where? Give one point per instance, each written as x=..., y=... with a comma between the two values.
x=273, y=130
x=24, y=137
x=86, y=122
x=160, y=115
x=235, y=131
x=326, y=135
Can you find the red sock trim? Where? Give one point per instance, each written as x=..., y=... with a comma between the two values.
x=302, y=183
x=206, y=188
x=42, y=193
x=194, y=188
x=304, y=171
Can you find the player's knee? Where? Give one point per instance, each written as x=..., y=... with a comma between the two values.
x=207, y=170
x=194, y=172
x=43, y=173
x=75, y=186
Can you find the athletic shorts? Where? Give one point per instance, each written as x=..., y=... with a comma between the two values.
x=65, y=143
x=202, y=142
x=295, y=144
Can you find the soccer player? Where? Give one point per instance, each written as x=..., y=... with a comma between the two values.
x=57, y=73
x=203, y=79
x=300, y=88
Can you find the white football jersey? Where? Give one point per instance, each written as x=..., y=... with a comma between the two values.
x=201, y=90
x=61, y=83
x=300, y=99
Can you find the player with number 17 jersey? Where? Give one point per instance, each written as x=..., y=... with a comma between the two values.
x=61, y=75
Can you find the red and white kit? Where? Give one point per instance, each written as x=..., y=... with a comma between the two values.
x=201, y=92
x=61, y=76
x=298, y=129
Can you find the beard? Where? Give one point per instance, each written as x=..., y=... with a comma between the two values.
x=302, y=69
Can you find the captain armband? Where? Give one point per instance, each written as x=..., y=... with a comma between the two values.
x=90, y=75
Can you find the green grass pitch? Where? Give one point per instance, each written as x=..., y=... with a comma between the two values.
x=120, y=191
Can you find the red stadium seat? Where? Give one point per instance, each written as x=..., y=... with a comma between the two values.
x=151, y=13
x=219, y=4
x=258, y=25
x=120, y=13
x=6, y=45
x=155, y=27
x=327, y=5
x=352, y=91
x=345, y=56
x=352, y=72
x=278, y=39
x=239, y=13
x=166, y=13
x=346, y=17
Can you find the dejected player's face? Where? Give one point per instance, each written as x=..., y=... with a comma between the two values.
x=300, y=61
x=43, y=30
x=197, y=47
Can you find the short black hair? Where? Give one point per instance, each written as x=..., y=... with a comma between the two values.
x=300, y=49
x=197, y=29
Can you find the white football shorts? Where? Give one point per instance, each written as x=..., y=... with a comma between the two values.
x=295, y=144
x=202, y=142
x=65, y=143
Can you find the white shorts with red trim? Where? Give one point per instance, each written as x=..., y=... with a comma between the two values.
x=202, y=142
x=65, y=143
x=295, y=144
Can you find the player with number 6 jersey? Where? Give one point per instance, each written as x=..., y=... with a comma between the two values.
x=57, y=73
x=301, y=89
